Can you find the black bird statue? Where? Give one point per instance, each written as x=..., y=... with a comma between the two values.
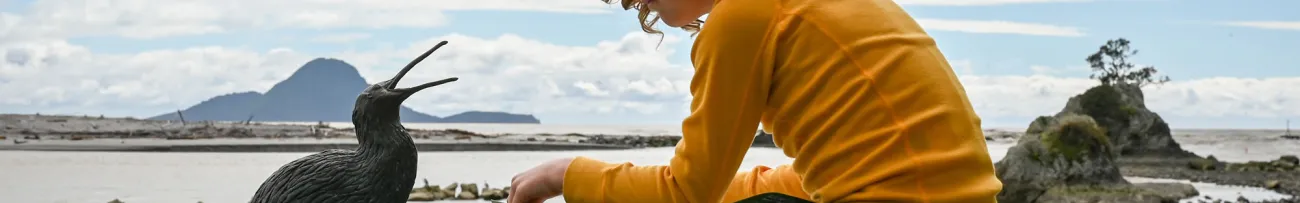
x=380, y=170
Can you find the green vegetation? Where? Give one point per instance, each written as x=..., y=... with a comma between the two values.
x=1034, y=155
x=1075, y=136
x=1103, y=103
x=1203, y=164
x=1129, y=110
x=1110, y=65
x=1095, y=190
x=1039, y=124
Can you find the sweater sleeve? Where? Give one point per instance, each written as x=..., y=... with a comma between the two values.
x=730, y=88
x=763, y=179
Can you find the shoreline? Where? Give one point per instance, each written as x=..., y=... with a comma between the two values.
x=1166, y=167
x=282, y=146
x=84, y=133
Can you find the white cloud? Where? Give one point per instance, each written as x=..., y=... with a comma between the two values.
x=146, y=19
x=151, y=19
x=999, y=27
x=1041, y=95
x=1276, y=25
x=340, y=38
x=506, y=73
x=523, y=75
x=627, y=77
x=980, y=2
x=59, y=75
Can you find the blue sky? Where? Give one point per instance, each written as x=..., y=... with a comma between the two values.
x=1186, y=39
x=1203, y=45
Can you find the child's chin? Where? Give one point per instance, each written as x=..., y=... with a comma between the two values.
x=675, y=23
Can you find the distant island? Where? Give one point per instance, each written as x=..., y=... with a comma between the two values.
x=323, y=89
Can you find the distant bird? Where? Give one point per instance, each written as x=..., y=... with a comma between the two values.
x=381, y=170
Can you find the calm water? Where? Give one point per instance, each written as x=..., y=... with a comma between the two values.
x=91, y=177
x=88, y=177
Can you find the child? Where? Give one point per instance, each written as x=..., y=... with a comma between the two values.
x=854, y=90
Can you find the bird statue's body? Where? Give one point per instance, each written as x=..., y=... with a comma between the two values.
x=381, y=170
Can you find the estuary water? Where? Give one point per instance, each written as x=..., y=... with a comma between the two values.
x=142, y=177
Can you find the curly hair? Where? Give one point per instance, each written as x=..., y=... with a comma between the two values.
x=647, y=23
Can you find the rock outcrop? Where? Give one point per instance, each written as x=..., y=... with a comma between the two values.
x=1121, y=111
x=1285, y=163
x=1067, y=158
x=468, y=191
x=763, y=139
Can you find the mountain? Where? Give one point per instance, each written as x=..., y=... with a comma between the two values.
x=321, y=90
x=234, y=106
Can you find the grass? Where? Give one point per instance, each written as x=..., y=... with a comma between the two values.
x=1075, y=136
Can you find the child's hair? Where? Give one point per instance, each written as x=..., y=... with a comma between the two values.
x=647, y=23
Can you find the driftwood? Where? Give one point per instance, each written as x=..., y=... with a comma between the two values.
x=181, y=116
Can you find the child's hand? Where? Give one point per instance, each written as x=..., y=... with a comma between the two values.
x=539, y=183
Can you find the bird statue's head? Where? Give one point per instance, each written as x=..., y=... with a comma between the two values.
x=384, y=99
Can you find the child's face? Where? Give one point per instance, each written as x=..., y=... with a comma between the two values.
x=677, y=13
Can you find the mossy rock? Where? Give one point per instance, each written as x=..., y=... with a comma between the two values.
x=493, y=194
x=1075, y=136
x=1040, y=124
x=1201, y=164
x=1282, y=165
x=426, y=193
x=1272, y=184
x=1290, y=159
x=452, y=186
x=1096, y=190
x=472, y=188
x=466, y=195
x=1081, y=194
x=1262, y=166
x=1129, y=110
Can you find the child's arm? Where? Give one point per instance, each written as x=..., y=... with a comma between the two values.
x=730, y=89
x=762, y=179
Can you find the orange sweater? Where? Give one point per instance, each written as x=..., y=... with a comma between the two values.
x=854, y=90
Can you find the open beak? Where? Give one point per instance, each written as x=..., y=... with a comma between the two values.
x=412, y=90
x=392, y=83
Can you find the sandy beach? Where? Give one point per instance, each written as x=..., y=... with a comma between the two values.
x=127, y=135
x=85, y=133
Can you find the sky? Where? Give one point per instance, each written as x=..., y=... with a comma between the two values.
x=1233, y=64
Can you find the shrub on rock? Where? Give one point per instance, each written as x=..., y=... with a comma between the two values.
x=1075, y=137
x=1103, y=103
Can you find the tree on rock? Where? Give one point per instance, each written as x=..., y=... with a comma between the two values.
x=1110, y=65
